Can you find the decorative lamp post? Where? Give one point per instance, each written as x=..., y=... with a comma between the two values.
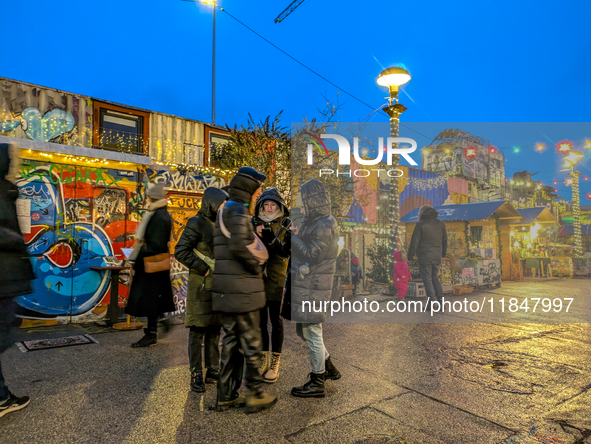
x=570, y=162
x=393, y=78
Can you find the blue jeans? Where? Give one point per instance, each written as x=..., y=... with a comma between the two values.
x=430, y=276
x=7, y=308
x=312, y=334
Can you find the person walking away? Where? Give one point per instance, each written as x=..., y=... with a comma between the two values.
x=238, y=292
x=356, y=274
x=314, y=250
x=150, y=294
x=195, y=251
x=17, y=271
x=401, y=274
x=429, y=244
x=272, y=225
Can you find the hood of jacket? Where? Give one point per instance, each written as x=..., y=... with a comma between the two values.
x=271, y=194
x=397, y=256
x=211, y=201
x=9, y=161
x=243, y=185
x=315, y=200
x=427, y=212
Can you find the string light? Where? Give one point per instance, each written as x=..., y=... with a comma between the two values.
x=539, y=147
x=564, y=147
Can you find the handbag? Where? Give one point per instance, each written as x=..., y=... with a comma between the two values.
x=156, y=263
x=257, y=248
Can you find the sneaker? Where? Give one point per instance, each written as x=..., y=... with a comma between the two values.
x=197, y=384
x=13, y=404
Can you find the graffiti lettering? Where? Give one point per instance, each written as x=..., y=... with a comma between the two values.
x=184, y=202
x=66, y=175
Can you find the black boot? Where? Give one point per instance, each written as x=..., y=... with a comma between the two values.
x=150, y=339
x=197, y=384
x=314, y=388
x=211, y=376
x=331, y=371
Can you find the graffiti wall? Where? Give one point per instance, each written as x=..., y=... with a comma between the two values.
x=72, y=218
x=46, y=115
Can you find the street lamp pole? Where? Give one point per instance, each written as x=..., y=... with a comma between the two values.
x=571, y=161
x=393, y=78
x=213, y=70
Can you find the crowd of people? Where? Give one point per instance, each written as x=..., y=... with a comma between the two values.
x=249, y=269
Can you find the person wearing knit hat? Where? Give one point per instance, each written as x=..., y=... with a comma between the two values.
x=150, y=294
x=238, y=293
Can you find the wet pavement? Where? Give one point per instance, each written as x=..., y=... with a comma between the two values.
x=435, y=382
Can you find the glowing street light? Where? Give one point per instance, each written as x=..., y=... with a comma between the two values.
x=393, y=78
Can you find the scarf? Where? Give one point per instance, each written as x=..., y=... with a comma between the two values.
x=270, y=218
x=141, y=229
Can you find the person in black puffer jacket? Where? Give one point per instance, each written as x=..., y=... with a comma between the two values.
x=150, y=294
x=238, y=292
x=199, y=316
x=314, y=250
x=429, y=244
x=272, y=225
x=17, y=271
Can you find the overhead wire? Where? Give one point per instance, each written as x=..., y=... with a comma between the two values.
x=304, y=65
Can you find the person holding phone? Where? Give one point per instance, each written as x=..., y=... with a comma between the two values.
x=272, y=226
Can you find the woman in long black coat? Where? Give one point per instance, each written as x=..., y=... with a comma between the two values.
x=16, y=271
x=272, y=225
x=151, y=293
x=200, y=318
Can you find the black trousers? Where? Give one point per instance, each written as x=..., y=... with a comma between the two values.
x=211, y=337
x=152, y=325
x=7, y=322
x=241, y=342
x=273, y=311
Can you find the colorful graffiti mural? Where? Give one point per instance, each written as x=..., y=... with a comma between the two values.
x=46, y=115
x=78, y=217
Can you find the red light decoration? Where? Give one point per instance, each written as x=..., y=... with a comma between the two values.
x=555, y=183
x=492, y=150
x=589, y=196
x=470, y=153
x=564, y=147
x=586, y=178
x=556, y=190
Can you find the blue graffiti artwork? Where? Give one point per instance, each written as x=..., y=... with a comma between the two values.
x=9, y=125
x=62, y=253
x=47, y=127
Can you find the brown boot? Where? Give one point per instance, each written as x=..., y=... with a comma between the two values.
x=273, y=373
x=258, y=402
x=240, y=401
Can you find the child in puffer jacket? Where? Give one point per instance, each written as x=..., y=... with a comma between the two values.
x=401, y=274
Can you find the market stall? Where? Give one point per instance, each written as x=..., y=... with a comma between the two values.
x=477, y=245
x=530, y=243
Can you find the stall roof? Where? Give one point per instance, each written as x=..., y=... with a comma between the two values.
x=538, y=214
x=569, y=230
x=470, y=211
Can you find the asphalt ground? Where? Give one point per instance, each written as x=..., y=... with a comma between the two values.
x=427, y=382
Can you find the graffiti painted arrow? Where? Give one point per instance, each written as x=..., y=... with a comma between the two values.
x=59, y=285
x=48, y=285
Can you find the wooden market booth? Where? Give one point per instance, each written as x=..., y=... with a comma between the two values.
x=532, y=241
x=480, y=229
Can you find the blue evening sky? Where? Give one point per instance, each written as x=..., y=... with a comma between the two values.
x=504, y=61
